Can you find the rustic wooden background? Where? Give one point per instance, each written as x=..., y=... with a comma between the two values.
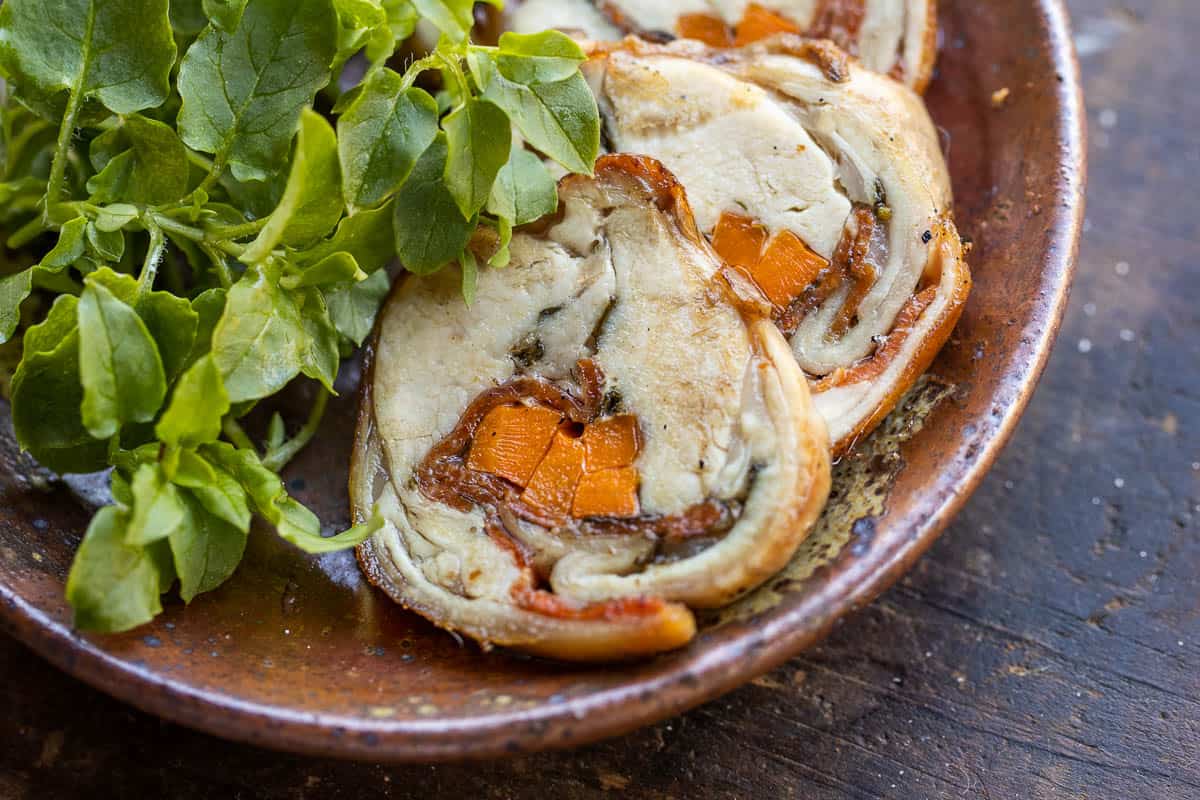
x=1049, y=645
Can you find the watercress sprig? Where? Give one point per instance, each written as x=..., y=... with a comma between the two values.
x=194, y=229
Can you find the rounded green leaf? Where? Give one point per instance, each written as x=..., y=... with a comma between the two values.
x=197, y=406
x=113, y=586
x=309, y=208
x=525, y=190
x=206, y=549
x=478, y=137
x=260, y=341
x=119, y=365
x=152, y=171
x=85, y=47
x=381, y=136
x=243, y=90
x=559, y=119
x=542, y=57
x=429, y=227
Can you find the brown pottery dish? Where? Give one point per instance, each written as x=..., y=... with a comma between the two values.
x=300, y=653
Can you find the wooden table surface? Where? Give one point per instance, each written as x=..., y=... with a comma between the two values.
x=1047, y=647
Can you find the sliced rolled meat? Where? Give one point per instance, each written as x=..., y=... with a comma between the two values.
x=895, y=37
x=824, y=184
x=609, y=437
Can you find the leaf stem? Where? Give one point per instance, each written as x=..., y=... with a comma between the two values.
x=197, y=159
x=416, y=68
x=197, y=235
x=237, y=434
x=454, y=66
x=154, y=257
x=58, y=166
x=26, y=233
x=238, y=231
x=215, y=170
x=278, y=458
x=218, y=262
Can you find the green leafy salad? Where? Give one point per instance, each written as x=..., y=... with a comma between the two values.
x=200, y=199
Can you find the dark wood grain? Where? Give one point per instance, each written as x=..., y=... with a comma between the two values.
x=1047, y=647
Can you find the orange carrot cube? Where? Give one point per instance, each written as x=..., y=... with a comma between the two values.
x=705, y=28
x=739, y=241
x=511, y=441
x=786, y=269
x=551, y=489
x=759, y=23
x=611, y=442
x=607, y=493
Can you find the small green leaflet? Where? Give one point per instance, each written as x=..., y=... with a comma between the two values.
x=243, y=90
x=158, y=509
x=402, y=21
x=292, y=521
x=197, y=406
x=46, y=402
x=106, y=245
x=112, y=218
x=223, y=497
x=366, y=236
x=544, y=57
x=172, y=324
x=337, y=268
x=13, y=291
x=321, y=358
x=170, y=319
x=225, y=14
x=429, y=227
x=84, y=47
x=525, y=190
x=69, y=247
x=376, y=25
x=298, y=525
x=470, y=276
x=559, y=119
x=478, y=138
x=113, y=586
x=454, y=18
x=15, y=288
x=152, y=171
x=260, y=343
x=308, y=209
x=380, y=137
x=186, y=467
x=206, y=548
x=353, y=307
x=120, y=368
x=209, y=306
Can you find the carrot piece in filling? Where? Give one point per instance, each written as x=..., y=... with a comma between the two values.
x=739, y=241
x=759, y=23
x=607, y=493
x=610, y=442
x=511, y=441
x=551, y=490
x=705, y=28
x=786, y=269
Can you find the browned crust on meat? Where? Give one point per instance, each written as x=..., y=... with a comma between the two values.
x=947, y=255
x=821, y=53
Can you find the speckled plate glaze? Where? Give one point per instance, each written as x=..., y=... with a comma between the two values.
x=299, y=653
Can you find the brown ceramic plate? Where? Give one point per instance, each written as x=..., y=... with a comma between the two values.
x=299, y=653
